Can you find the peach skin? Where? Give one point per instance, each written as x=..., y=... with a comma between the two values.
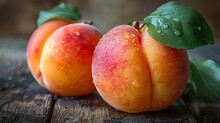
x=66, y=60
x=134, y=73
x=36, y=43
x=59, y=56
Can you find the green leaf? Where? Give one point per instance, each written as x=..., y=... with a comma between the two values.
x=63, y=10
x=205, y=76
x=177, y=25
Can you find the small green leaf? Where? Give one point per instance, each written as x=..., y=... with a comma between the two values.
x=177, y=25
x=205, y=76
x=63, y=10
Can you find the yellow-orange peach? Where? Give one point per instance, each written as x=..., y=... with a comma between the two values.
x=36, y=43
x=134, y=73
x=65, y=60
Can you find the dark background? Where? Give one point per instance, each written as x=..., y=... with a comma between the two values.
x=18, y=17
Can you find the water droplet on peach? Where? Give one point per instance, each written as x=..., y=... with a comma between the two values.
x=77, y=33
x=127, y=36
x=138, y=68
x=63, y=42
x=134, y=83
x=50, y=46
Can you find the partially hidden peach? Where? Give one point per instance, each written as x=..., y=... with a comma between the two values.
x=134, y=73
x=64, y=65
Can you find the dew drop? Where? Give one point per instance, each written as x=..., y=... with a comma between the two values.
x=127, y=36
x=63, y=42
x=166, y=26
x=50, y=46
x=199, y=28
x=57, y=51
x=134, y=83
x=175, y=19
x=159, y=31
x=133, y=35
x=159, y=14
x=177, y=33
x=77, y=33
x=138, y=68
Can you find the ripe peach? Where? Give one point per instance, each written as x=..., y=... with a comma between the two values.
x=134, y=73
x=36, y=43
x=64, y=65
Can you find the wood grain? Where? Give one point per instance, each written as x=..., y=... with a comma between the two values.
x=22, y=99
x=204, y=111
x=92, y=109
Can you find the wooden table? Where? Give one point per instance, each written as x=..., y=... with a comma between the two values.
x=23, y=100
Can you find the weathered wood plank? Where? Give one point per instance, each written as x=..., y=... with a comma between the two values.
x=204, y=111
x=93, y=109
x=25, y=101
x=12, y=57
x=21, y=98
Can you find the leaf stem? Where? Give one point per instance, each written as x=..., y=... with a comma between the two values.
x=90, y=22
x=138, y=25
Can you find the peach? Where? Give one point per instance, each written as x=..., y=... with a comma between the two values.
x=134, y=73
x=36, y=43
x=64, y=66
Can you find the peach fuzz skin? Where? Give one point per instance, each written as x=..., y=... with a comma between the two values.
x=36, y=44
x=65, y=60
x=134, y=73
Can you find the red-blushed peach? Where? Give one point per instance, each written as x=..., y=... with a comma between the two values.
x=36, y=43
x=134, y=73
x=66, y=59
